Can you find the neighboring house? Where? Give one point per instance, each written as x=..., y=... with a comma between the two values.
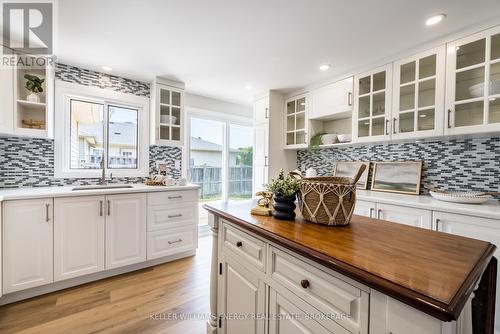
x=122, y=145
x=210, y=154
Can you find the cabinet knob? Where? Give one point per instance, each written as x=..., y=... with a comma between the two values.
x=304, y=283
x=239, y=244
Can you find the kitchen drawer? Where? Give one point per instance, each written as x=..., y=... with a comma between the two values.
x=251, y=250
x=170, y=242
x=173, y=198
x=323, y=291
x=161, y=217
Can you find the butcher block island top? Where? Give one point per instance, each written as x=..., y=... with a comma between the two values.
x=432, y=271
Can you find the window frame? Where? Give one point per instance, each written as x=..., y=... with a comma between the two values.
x=64, y=93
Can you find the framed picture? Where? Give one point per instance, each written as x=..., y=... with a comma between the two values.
x=397, y=177
x=350, y=168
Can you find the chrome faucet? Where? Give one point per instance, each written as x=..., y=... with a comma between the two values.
x=103, y=181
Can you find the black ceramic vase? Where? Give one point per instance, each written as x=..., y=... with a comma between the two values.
x=284, y=207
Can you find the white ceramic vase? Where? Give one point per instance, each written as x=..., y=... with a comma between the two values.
x=33, y=97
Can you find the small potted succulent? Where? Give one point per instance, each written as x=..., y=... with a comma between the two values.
x=285, y=188
x=34, y=85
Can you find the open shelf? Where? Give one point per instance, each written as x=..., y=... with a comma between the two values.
x=33, y=105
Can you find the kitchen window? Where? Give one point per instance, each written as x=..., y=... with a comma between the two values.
x=96, y=127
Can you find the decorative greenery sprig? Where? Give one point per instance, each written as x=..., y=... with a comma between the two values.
x=315, y=141
x=34, y=83
x=284, y=185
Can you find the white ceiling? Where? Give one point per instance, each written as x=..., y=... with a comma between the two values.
x=217, y=47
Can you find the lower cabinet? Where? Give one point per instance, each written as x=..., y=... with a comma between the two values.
x=125, y=230
x=170, y=242
x=78, y=236
x=287, y=318
x=395, y=213
x=27, y=244
x=242, y=293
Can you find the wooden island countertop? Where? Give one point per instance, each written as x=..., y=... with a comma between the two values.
x=432, y=271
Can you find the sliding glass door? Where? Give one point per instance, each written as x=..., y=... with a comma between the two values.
x=220, y=160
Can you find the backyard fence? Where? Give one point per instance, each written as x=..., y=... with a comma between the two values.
x=210, y=181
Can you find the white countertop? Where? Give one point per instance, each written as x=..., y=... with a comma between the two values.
x=41, y=192
x=490, y=209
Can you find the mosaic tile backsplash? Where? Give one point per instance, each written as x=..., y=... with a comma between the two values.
x=456, y=164
x=29, y=162
x=86, y=77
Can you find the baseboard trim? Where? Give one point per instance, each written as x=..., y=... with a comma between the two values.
x=61, y=285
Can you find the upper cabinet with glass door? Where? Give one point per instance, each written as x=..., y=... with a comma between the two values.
x=296, y=122
x=418, y=95
x=372, y=105
x=169, y=114
x=473, y=84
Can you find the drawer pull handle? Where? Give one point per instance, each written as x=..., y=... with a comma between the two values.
x=174, y=197
x=175, y=216
x=239, y=244
x=174, y=242
x=304, y=283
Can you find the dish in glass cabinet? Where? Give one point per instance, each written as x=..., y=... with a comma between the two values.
x=478, y=89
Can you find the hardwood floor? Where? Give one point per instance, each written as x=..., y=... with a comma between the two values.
x=123, y=304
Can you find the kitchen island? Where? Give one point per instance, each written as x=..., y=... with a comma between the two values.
x=373, y=276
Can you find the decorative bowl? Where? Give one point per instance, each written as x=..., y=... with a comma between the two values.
x=461, y=197
x=328, y=139
x=344, y=138
x=478, y=89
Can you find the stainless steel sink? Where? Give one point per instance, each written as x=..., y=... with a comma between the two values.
x=107, y=186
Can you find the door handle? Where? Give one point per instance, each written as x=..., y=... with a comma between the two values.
x=387, y=127
x=100, y=208
x=394, y=131
x=266, y=115
x=174, y=242
x=109, y=207
x=349, y=99
x=438, y=221
x=371, y=212
x=265, y=161
x=449, y=118
x=175, y=216
x=175, y=197
x=379, y=213
x=47, y=215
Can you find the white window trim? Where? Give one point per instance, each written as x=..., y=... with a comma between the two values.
x=64, y=92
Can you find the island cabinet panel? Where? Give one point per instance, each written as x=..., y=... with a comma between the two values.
x=78, y=236
x=346, y=304
x=293, y=316
x=27, y=229
x=243, y=245
x=365, y=208
x=242, y=294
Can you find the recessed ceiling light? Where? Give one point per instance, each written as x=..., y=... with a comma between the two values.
x=106, y=68
x=325, y=67
x=435, y=19
x=248, y=87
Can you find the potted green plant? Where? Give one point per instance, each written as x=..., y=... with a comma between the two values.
x=315, y=141
x=34, y=85
x=285, y=188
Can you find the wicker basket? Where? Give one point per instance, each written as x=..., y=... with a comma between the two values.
x=328, y=200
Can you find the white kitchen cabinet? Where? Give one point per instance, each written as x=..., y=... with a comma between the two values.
x=475, y=228
x=125, y=229
x=473, y=84
x=295, y=119
x=372, y=105
x=78, y=236
x=168, y=103
x=171, y=241
x=404, y=215
x=332, y=101
x=6, y=100
x=261, y=156
x=27, y=244
x=261, y=111
x=418, y=95
x=365, y=208
x=242, y=292
x=287, y=318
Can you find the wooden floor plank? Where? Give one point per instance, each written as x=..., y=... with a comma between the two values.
x=121, y=304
